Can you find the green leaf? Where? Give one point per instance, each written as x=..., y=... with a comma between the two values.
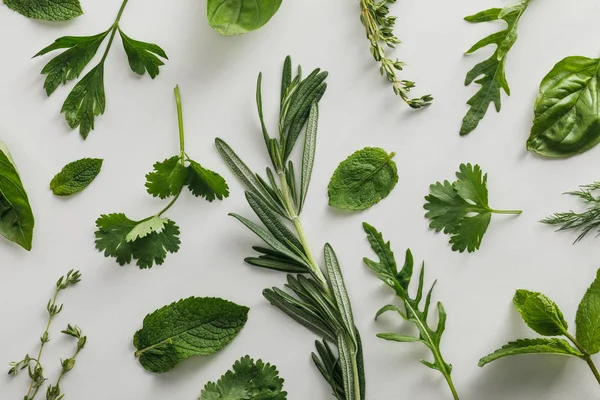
x=146, y=241
x=142, y=56
x=234, y=17
x=394, y=337
x=189, y=327
x=86, y=101
x=69, y=64
x=363, y=179
x=386, y=268
x=308, y=155
x=49, y=10
x=461, y=208
x=532, y=346
x=567, y=120
x=346, y=355
x=540, y=313
x=588, y=318
x=206, y=183
x=16, y=217
x=76, y=176
x=491, y=72
x=336, y=281
x=167, y=179
x=247, y=380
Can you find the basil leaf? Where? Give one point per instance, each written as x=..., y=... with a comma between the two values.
x=16, y=217
x=234, y=17
x=567, y=116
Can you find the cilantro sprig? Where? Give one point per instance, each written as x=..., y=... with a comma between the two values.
x=87, y=99
x=148, y=240
x=461, y=208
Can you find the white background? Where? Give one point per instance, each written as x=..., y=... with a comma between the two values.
x=217, y=77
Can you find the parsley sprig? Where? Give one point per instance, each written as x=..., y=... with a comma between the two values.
x=379, y=27
x=321, y=301
x=87, y=100
x=148, y=240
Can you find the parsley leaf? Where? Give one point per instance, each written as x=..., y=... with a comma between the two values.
x=146, y=241
x=87, y=100
x=363, y=179
x=461, y=208
x=167, y=179
x=206, y=183
x=49, y=10
x=186, y=328
x=75, y=176
x=247, y=380
x=491, y=71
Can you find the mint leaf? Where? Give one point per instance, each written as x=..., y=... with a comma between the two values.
x=588, y=318
x=532, y=346
x=86, y=101
x=167, y=179
x=189, y=327
x=247, y=380
x=16, y=217
x=142, y=56
x=69, y=64
x=146, y=241
x=206, y=183
x=461, y=208
x=75, y=176
x=363, y=179
x=540, y=313
x=49, y=10
x=491, y=71
x=234, y=17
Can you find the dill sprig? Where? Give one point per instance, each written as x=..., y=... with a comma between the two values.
x=586, y=221
x=379, y=27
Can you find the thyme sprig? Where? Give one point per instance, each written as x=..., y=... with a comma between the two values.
x=379, y=27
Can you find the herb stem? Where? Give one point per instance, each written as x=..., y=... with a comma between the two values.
x=586, y=357
x=114, y=28
x=164, y=210
x=180, y=122
x=514, y=212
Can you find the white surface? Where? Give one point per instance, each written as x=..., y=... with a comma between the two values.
x=217, y=77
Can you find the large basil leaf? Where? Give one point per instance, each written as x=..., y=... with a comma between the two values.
x=567, y=110
x=234, y=17
x=16, y=217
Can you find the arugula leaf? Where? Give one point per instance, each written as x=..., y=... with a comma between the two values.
x=167, y=179
x=586, y=221
x=247, y=380
x=363, y=179
x=76, y=176
x=461, y=208
x=142, y=56
x=387, y=270
x=491, y=71
x=189, y=327
x=540, y=313
x=16, y=216
x=49, y=10
x=234, y=17
x=588, y=318
x=146, y=241
x=566, y=119
x=206, y=183
x=87, y=99
x=532, y=346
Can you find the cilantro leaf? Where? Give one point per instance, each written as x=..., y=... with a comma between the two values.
x=146, y=241
x=75, y=176
x=49, y=10
x=206, y=183
x=69, y=64
x=142, y=56
x=86, y=101
x=461, y=208
x=491, y=71
x=247, y=380
x=189, y=327
x=167, y=179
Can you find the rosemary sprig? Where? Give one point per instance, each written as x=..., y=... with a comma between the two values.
x=379, y=27
x=321, y=302
x=586, y=221
x=36, y=373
